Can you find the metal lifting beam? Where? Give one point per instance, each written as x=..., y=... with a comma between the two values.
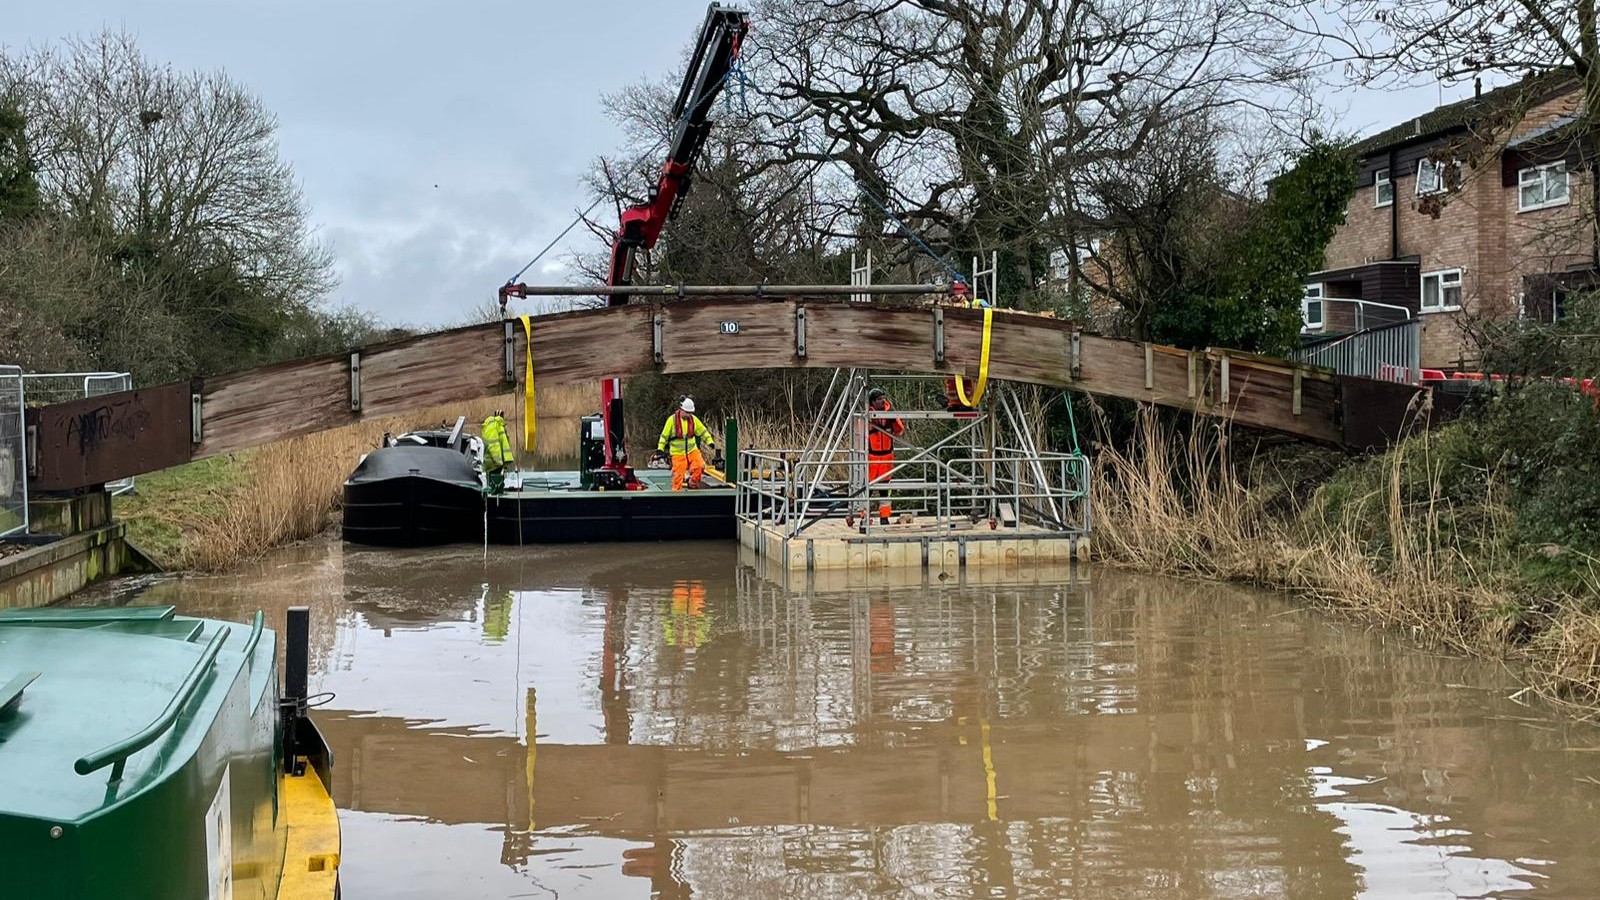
x=719, y=290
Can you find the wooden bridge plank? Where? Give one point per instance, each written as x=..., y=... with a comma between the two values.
x=695, y=342
x=451, y=367
x=246, y=409
x=255, y=407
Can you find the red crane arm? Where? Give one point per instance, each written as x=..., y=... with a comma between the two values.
x=713, y=59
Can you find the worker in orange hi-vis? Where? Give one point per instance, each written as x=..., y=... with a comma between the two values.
x=881, y=432
x=685, y=624
x=683, y=435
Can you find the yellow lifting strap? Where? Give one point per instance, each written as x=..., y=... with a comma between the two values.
x=983, y=366
x=530, y=421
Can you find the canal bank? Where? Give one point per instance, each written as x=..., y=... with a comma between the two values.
x=668, y=723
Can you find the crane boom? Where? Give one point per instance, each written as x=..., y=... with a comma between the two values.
x=714, y=55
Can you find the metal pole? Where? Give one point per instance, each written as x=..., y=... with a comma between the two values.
x=296, y=671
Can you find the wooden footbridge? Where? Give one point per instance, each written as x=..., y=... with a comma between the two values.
x=92, y=441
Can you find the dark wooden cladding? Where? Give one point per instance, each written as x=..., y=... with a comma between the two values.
x=100, y=439
x=258, y=406
x=1375, y=414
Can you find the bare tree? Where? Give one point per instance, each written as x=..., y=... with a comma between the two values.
x=176, y=177
x=985, y=123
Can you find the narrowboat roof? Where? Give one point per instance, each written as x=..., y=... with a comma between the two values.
x=76, y=682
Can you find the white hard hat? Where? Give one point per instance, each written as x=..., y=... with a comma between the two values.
x=687, y=405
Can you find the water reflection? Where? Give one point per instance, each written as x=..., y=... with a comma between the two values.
x=660, y=721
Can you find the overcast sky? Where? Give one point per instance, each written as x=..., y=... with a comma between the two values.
x=441, y=144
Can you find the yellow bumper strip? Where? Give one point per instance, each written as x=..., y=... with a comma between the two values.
x=311, y=851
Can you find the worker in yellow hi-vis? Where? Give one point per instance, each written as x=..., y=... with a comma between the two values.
x=683, y=436
x=497, y=452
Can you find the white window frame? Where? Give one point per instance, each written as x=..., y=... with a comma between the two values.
x=1305, y=308
x=1381, y=179
x=1441, y=183
x=1447, y=278
x=1540, y=173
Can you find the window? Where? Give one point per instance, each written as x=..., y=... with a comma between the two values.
x=1541, y=187
x=1441, y=291
x=1436, y=177
x=1311, y=307
x=1383, y=188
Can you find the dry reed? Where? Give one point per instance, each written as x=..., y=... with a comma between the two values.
x=1179, y=503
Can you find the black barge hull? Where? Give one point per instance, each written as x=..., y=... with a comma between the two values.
x=413, y=497
x=560, y=517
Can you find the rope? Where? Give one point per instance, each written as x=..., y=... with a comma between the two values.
x=883, y=208
x=530, y=419
x=983, y=366
x=1072, y=420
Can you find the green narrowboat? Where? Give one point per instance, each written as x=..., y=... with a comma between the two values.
x=149, y=756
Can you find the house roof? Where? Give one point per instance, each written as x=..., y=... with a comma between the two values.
x=1463, y=114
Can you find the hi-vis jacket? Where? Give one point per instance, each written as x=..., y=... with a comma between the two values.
x=682, y=433
x=496, y=444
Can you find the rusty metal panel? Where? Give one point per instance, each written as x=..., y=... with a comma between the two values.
x=1375, y=414
x=99, y=439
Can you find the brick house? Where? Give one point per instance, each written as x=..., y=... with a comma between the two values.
x=1475, y=209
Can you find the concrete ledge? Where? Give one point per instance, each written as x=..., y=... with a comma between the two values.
x=69, y=514
x=833, y=546
x=42, y=575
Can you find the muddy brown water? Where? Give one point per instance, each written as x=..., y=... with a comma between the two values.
x=659, y=721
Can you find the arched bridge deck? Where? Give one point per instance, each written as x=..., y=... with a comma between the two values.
x=101, y=439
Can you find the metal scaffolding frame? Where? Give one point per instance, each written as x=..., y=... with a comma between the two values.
x=978, y=471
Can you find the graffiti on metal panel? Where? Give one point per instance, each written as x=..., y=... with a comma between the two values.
x=121, y=420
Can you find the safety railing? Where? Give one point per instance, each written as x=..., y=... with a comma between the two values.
x=116, y=755
x=1391, y=352
x=1048, y=491
x=13, y=453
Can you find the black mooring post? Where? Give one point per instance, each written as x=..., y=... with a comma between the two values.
x=296, y=669
x=297, y=653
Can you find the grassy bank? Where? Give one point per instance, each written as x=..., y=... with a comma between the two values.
x=212, y=514
x=1428, y=538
